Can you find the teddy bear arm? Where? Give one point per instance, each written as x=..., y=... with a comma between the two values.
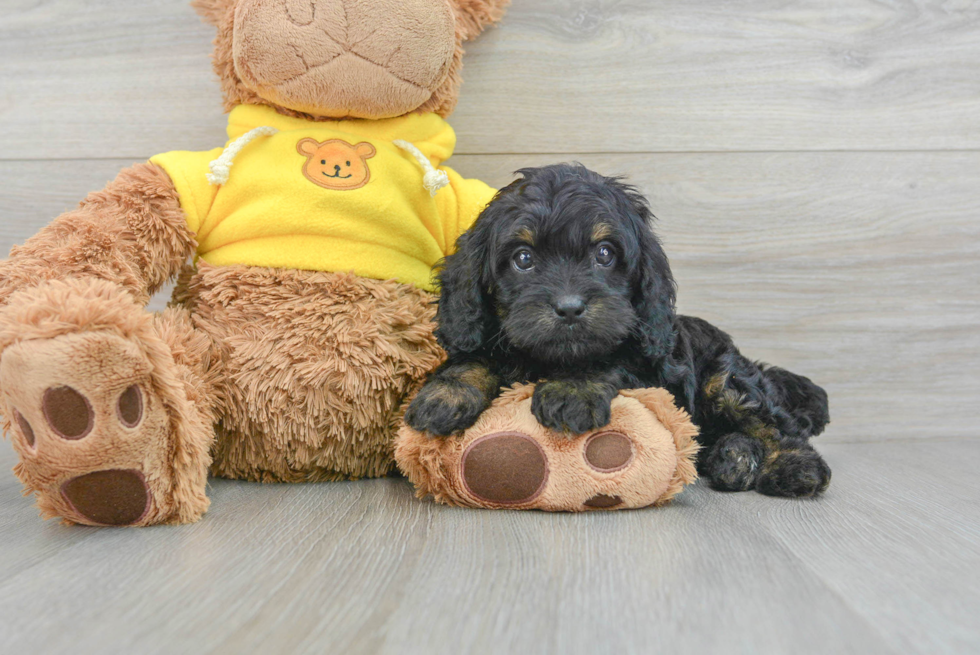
x=132, y=233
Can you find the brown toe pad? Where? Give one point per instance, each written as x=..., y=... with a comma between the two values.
x=505, y=468
x=608, y=451
x=69, y=413
x=602, y=501
x=114, y=497
x=25, y=428
x=130, y=406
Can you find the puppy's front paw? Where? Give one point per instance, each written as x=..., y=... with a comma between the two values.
x=443, y=407
x=574, y=407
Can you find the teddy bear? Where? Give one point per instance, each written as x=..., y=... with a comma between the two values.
x=307, y=314
x=305, y=318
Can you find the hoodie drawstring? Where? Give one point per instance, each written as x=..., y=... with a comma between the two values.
x=221, y=167
x=434, y=179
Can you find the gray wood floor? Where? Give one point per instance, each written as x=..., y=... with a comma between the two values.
x=887, y=562
x=815, y=168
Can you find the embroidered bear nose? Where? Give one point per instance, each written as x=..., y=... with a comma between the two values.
x=336, y=168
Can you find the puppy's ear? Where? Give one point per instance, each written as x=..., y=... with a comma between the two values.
x=654, y=293
x=464, y=317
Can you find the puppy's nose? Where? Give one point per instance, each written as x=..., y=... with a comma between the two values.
x=570, y=308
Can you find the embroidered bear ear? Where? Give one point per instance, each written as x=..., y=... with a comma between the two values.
x=214, y=11
x=477, y=15
x=307, y=146
x=365, y=150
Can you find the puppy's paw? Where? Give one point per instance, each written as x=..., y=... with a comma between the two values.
x=733, y=463
x=795, y=473
x=572, y=406
x=443, y=407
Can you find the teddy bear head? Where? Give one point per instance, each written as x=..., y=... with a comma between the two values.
x=330, y=59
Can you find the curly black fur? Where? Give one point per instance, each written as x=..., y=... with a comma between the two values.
x=562, y=282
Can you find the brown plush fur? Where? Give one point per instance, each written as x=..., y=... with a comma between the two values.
x=133, y=233
x=473, y=16
x=663, y=406
x=397, y=60
x=663, y=461
x=477, y=15
x=317, y=364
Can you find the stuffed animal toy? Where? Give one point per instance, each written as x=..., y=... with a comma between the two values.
x=307, y=318
x=644, y=456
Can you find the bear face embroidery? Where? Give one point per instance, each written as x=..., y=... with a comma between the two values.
x=336, y=164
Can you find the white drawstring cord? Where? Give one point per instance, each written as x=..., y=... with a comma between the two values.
x=221, y=167
x=434, y=179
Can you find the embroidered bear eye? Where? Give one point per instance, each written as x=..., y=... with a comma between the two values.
x=348, y=163
x=323, y=161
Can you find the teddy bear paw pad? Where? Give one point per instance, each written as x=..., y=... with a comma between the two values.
x=506, y=468
x=608, y=452
x=602, y=501
x=92, y=434
x=68, y=413
x=115, y=497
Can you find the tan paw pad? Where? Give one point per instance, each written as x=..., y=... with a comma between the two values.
x=506, y=468
x=115, y=497
x=93, y=438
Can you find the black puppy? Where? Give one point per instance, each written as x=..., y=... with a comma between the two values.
x=562, y=282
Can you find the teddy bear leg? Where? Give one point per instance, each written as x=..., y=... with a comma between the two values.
x=107, y=405
x=644, y=456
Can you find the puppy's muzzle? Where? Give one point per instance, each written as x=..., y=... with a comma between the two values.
x=570, y=308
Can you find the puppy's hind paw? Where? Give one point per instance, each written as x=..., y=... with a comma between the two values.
x=795, y=473
x=733, y=463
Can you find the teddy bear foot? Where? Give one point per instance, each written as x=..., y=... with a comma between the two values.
x=644, y=456
x=90, y=421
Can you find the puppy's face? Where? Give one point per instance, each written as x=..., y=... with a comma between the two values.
x=561, y=266
x=562, y=285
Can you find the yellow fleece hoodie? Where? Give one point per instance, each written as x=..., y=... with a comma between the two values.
x=328, y=196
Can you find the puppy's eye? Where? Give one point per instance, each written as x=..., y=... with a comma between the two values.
x=604, y=255
x=523, y=260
